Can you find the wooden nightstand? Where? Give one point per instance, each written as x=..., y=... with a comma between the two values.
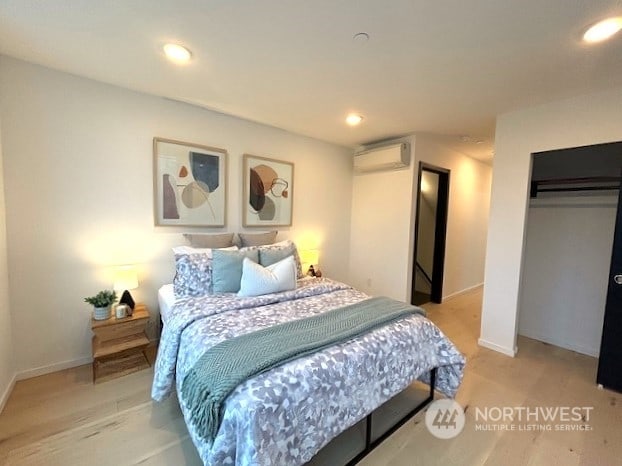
x=119, y=345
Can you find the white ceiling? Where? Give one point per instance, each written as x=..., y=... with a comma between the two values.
x=446, y=67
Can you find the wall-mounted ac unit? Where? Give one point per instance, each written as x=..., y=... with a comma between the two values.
x=382, y=158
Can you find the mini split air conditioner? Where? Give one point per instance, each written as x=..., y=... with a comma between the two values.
x=382, y=158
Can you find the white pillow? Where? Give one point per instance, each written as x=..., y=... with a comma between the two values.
x=258, y=280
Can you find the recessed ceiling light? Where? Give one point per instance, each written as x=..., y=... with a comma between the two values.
x=353, y=119
x=603, y=30
x=177, y=53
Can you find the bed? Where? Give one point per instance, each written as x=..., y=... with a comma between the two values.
x=166, y=301
x=285, y=415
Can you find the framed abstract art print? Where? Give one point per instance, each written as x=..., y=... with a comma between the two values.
x=268, y=192
x=189, y=184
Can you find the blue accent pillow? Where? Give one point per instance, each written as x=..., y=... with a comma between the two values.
x=227, y=269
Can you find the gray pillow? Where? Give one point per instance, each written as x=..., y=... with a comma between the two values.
x=272, y=256
x=221, y=240
x=287, y=245
x=257, y=239
x=227, y=269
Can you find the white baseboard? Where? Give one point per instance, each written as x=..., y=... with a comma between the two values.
x=29, y=373
x=59, y=366
x=466, y=290
x=578, y=348
x=500, y=349
x=4, y=397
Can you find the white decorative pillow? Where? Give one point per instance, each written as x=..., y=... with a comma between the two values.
x=258, y=280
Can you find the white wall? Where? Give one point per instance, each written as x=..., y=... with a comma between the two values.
x=7, y=371
x=467, y=221
x=383, y=212
x=79, y=198
x=585, y=120
x=566, y=265
x=381, y=235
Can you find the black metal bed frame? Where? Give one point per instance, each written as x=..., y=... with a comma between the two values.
x=371, y=445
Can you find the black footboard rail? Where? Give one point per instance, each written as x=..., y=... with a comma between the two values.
x=371, y=445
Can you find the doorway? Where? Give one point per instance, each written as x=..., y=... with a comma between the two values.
x=570, y=295
x=430, y=234
x=610, y=359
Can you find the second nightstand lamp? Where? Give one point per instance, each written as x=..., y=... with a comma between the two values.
x=311, y=258
x=125, y=278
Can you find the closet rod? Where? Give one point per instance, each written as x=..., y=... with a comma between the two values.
x=599, y=183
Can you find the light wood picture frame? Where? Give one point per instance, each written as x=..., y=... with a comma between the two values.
x=268, y=198
x=189, y=184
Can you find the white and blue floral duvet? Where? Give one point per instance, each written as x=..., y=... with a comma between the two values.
x=286, y=415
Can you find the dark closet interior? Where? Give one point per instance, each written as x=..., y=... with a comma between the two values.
x=591, y=170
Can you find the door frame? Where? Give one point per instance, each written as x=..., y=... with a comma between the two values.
x=440, y=231
x=607, y=374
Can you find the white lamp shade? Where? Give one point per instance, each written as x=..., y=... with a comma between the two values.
x=309, y=257
x=125, y=278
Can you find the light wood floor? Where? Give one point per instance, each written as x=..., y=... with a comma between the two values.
x=62, y=419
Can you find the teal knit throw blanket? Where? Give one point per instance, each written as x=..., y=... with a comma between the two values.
x=229, y=363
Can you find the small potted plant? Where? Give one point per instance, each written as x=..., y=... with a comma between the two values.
x=101, y=303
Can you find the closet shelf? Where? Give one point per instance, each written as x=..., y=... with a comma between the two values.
x=559, y=185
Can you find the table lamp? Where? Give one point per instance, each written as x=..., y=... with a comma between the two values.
x=311, y=258
x=125, y=278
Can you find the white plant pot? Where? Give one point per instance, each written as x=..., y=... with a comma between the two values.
x=101, y=313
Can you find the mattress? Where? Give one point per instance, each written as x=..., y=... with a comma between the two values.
x=287, y=414
x=166, y=300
